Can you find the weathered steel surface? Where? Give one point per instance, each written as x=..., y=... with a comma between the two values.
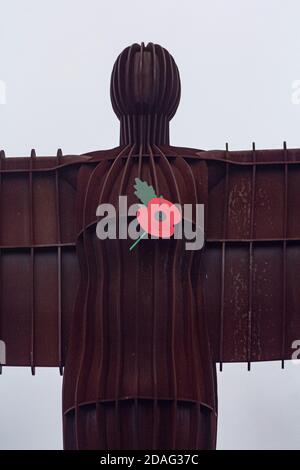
x=139, y=333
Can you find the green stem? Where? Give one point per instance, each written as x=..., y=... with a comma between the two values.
x=137, y=241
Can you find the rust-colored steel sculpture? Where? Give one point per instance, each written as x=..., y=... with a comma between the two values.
x=139, y=333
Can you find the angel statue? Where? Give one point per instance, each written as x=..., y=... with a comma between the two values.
x=137, y=333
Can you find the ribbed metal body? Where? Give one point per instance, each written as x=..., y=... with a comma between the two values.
x=139, y=373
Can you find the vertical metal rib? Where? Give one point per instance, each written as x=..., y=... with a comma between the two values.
x=59, y=260
x=155, y=309
x=185, y=169
x=136, y=357
x=171, y=85
x=140, y=161
x=154, y=77
x=78, y=425
x=250, y=300
x=125, y=174
x=119, y=267
x=104, y=189
x=141, y=82
x=153, y=170
x=224, y=235
x=163, y=86
x=2, y=157
x=119, y=95
x=100, y=408
x=31, y=241
x=284, y=274
x=128, y=131
x=129, y=137
x=170, y=173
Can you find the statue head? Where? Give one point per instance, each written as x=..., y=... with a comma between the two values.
x=145, y=80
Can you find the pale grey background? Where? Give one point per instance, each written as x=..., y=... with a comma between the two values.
x=238, y=60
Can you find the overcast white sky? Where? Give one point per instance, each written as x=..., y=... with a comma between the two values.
x=238, y=61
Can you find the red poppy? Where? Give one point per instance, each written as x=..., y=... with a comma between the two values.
x=159, y=217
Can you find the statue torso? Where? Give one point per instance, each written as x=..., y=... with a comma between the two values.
x=139, y=327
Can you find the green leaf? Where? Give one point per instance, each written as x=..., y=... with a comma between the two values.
x=144, y=191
